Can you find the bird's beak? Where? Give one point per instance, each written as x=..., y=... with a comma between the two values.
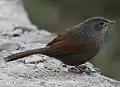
x=111, y=22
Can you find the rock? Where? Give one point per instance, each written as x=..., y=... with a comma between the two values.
x=36, y=70
x=9, y=46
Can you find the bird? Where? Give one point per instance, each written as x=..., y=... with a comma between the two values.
x=76, y=45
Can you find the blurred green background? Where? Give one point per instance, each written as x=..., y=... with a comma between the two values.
x=57, y=15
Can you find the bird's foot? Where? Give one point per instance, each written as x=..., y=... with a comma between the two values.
x=80, y=69
x=75, y=70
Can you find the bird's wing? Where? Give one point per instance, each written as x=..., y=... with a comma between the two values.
x=60, y=37
x=68, y=42
x=68, y=34
x=68, y=46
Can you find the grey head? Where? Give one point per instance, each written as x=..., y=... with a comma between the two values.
x=97, y=24
x=94, y=28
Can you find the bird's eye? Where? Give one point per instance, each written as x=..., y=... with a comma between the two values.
x=102, y=23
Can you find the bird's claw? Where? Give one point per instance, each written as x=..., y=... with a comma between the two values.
x=80, y=69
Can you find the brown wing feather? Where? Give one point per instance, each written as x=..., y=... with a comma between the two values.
x=68, y=46
x=68, y=42
x=69, y=33
x=57, y=39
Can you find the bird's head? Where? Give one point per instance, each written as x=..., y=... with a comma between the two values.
x=97, y=24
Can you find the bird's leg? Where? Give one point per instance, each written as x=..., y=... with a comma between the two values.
x=84, y=68
x=87, y=70
x=80, y=69
x=76, y=69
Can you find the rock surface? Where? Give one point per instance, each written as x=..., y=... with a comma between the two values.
x=35, y=70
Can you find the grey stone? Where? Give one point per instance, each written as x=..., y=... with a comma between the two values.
x=36, y=70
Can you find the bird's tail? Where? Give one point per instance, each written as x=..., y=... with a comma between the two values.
x=26, y=53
